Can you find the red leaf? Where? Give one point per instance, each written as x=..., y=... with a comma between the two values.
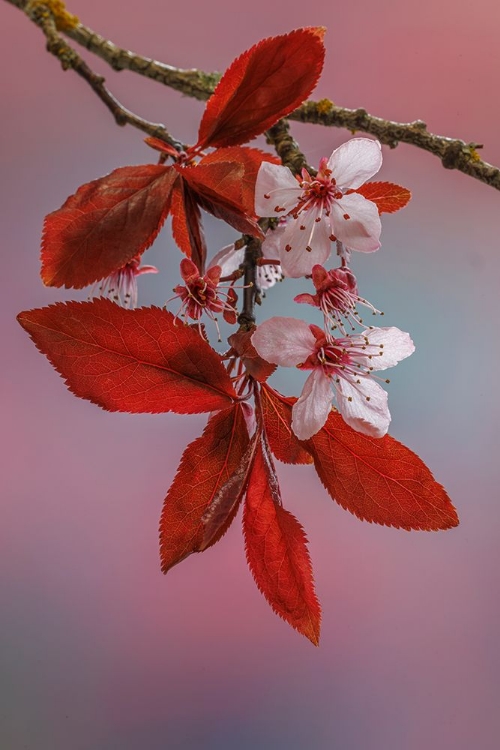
x=250, y=159
x=206, y=465
x=223, y=508
x=277, y=554
x=105, y=224
x=379, y=479
x=277, y=415
x=388, y=197
x=230, y=313
x=258, y=368
x=139, y=361
x=161, y=146
x=186, y=224
x=219, y=190
x=265, y=83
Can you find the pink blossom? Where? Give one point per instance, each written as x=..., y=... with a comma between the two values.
x=324, y=208
x=199, y=294
x=121, y=285
x=336, y=296
x=341, y=368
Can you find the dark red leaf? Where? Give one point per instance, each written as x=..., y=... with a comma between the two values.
x=230, y=313
x=161, y=146
x=187, y=227
x=258, y=368
x=235, y=219
x=250, y=159
x=265, y=83
x=139, y=361
x=206, y=465
x=388, y=196
x=225, y=504
x=105, y=224
x=219, y=190
x=277, y=553
x=277, y=415
x=379, y=479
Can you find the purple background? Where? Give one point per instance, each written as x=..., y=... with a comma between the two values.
x=99, y=650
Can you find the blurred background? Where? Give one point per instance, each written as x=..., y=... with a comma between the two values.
x=100, y=651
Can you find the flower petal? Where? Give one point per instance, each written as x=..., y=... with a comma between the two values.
x=355, y=162
x=305, y=243
x=146, y=269
x=273, y=240
x=394, y=344
x=267, y=276
x=281, y=187
x=228, y=259
x=311, y=410
x=361, y=230
x=308, y=299
x=284, y=341
x=366, y=411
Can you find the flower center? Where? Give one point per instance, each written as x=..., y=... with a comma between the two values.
x=318, y=193
x=349, y=357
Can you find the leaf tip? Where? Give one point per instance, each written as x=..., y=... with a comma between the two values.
x=312, y=631
x=318, y=31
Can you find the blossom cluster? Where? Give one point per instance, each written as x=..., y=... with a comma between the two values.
x=321, y=210
x=315, y=212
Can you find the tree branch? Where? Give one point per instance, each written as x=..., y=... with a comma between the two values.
x=43, y=17
x=453, y=153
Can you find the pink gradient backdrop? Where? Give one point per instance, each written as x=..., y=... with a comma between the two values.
x=99, y=650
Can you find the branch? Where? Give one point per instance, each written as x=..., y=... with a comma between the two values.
x=252, y=252
x=287, y=148
x=453, y=153
x=43, y=17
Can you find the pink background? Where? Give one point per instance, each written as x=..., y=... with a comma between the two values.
x=99, y=650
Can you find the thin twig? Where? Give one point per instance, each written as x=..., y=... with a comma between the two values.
x=453, y=153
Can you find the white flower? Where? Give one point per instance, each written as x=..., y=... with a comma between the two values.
x=121, y=285
x=322, y=209
x=229, y=259
x=342, y=364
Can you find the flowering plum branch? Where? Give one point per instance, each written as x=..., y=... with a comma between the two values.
x=293, y=219
x=452, y=152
